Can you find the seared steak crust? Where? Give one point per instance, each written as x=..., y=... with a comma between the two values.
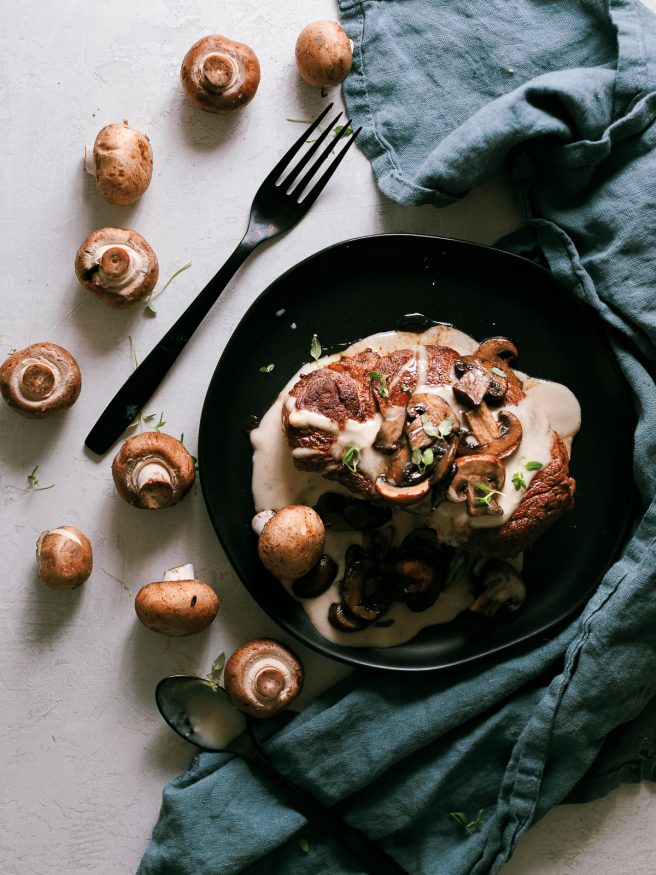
x=549, y=496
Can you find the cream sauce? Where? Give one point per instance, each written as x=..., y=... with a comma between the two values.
x=277, y=483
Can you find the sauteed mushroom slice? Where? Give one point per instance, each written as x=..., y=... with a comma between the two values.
x=262, y=677
x=474, y=382
x=361, y=591
x=342, y=513
x=317, y=580
x=502, y=586
x=478, y=480
x=429, y=417
x=495, y=437
x=342, y=619
x=402, y=495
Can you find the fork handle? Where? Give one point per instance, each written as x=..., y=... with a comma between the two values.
x=137, y=389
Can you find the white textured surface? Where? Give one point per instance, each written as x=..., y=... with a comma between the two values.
x=84, y=754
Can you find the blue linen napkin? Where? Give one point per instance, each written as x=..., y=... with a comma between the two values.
x=560, y=98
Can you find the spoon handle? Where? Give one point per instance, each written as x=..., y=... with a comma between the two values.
x=369, y=855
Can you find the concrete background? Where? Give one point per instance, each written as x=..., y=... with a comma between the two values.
x=84, y=754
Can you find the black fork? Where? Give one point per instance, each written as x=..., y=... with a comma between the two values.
x=278, y=205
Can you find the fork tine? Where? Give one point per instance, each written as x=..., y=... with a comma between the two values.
x=320, y=184
x=298, y=145
x=286, y=183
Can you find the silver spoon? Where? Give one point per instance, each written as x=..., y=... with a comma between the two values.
x=197, y=711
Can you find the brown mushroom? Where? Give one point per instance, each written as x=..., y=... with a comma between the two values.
x=292, y=542
x=478, y=480
x=122, y=163
x=502, y=586
x=427, y=416
x=220, y=75
x=391, y=429
x=177, y=605
x=64, y=557
x=497, y=348
x=39, y=380
x=402, y=495
x=361, y=593
x=117, y=265
x=262, y=677
x=153, y=470
x=496, y=353
x=495, y=437
x=317, y=580
x=342, y=619
x=324, y=54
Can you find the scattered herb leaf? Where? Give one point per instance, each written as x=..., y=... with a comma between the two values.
x=161, y=423
x=351, y=458
x=12, y=350
x=487, y=493
x=422, y=460
x=446, y=426
x=428, y=427
x=149, y=417
x=416, y=456
x=217, y=667
x=381, y=379
x=518, y=480
x=498, y=372
x=533, y=466
x=33, y=481
x=468, y=825
x=405, y=387
x=266, y=369
x=149, y=301
x=315, y=348
x=337, y=130
x=134, y=352
x=304, y=844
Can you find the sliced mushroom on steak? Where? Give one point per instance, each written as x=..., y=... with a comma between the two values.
x=425, y=415
x=402, y=495
x=495, y=437
x=477, y=481
x=499, y=352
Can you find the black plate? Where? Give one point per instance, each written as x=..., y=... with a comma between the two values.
x=362, y=286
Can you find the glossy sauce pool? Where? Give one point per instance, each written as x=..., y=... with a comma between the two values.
x=277, y=483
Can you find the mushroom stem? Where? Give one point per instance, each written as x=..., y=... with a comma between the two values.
x=115, y=261
x=219, y=71
x=154, y=484
x=37, y=381
x=88, y=163
x=180, y=572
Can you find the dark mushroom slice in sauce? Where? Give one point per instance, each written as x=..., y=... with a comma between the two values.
x=502, y=587
x=474, y=381
x=342, y=619
x=415, y=574
x=340, y=513
x=317, y=580
x=425, y=416
x=477, y=481
x=361, y=591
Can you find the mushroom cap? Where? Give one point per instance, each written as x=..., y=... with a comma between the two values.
x=41, y=379
x=64, y=556
x=219, y=74
x=123, y=161
x=262, y=677
x=402, y=495
x=153, y=470
x=324, y=53
x=117, y=265
x=176, y=607
x=292, y=542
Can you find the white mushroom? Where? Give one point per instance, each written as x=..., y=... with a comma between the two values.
x=324, y=54
x=219, y=74
x=153, y=470
x=117, y=265
x=122, y=163
x=39, y=380
x=262, y=677
x=177, y=605
x=292, y=542
x=64, y=557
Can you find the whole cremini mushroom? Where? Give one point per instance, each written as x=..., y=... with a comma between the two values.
x=118, y=266
x=324, y=54
x=64, y=557
x=41, y=379
x=219, y=74
x=262, y=677
x=153, y=470
x=177, y=605
x=292, y=542
x=122, y=163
